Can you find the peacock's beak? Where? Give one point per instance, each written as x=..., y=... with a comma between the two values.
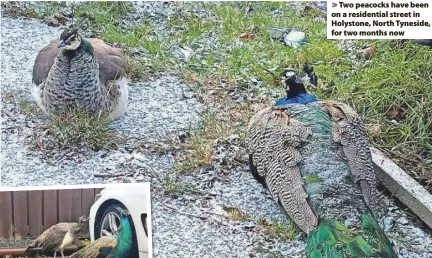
x=61, y=44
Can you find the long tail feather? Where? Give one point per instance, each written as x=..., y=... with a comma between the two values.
x=333, y=240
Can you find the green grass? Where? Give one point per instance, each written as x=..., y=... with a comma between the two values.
x=236, y=214
x=76, y=128
x=105, y=19
x=175, y=189
x=279, y=230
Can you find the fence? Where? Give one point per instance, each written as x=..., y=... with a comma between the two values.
x=26, y=214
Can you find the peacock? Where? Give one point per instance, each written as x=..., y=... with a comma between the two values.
x=57, y=238
x=76, y=72
x=314, y=158
x=121, y=246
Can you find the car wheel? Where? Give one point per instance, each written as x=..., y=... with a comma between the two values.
x=109, y=224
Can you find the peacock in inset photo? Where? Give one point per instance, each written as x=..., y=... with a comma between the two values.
x=314, y=158
x=122, y=245
x=57, y=238
x=83, y=73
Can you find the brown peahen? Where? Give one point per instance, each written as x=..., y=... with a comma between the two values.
x=57, y=238
x=314, y=158
x=80, y=73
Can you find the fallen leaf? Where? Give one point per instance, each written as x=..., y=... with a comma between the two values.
x=300, y=59
x=373, y=130
x=394, y=111
x=369, y=51
x=276, y=82
x=53, y=22
x=247, y=36
x=263, y=222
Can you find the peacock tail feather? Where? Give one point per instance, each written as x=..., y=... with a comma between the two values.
x=333, y=239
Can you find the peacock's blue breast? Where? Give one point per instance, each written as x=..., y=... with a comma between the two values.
x=303, y=98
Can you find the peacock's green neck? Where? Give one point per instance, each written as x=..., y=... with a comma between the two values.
x=124, y=240
x=87, y=46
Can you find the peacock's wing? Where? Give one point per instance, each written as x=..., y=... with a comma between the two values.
x=44, y=61
x=274, y=140
x=51, y=238
x=348, y=130
x=111, y=61
x=100, y=248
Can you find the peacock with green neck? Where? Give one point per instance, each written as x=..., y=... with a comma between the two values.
x=86, y=74
x=126, y=248
x=314, y=158
x=120, y=246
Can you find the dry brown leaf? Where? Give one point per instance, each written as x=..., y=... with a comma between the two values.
x=369, y=51
x=247, y=36
x=53, y=22
x=394, y=111
x=373, y=130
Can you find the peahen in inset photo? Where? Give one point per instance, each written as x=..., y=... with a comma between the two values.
x=82, y=73
x=57, y=238
x=314, y=158
x=120, y=246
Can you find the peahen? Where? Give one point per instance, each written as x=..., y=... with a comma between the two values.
x=314, y=158
x=80, y=73
x=57, y=238
x=121, y=246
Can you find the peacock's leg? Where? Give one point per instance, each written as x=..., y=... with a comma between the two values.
x=62, y=253
x=55, y=253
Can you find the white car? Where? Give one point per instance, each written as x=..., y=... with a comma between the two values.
x=105, y=214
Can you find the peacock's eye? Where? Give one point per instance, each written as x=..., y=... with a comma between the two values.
x=71, y=38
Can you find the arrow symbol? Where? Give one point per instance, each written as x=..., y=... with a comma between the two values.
x=334, y=4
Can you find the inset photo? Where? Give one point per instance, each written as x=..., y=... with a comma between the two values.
x=90, y=221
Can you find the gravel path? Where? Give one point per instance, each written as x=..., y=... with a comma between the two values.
x=193, y=225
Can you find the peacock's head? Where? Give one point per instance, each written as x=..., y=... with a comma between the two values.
x=124, y=213
x=70, y=39
x=291, y=82
x=288, y=76
x=83, y=218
